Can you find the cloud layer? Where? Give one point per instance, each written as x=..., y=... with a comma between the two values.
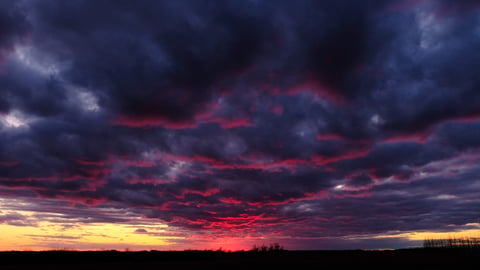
x=305, y=119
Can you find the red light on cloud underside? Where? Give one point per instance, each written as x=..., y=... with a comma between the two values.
x=131, y=121
x=92, y=162
x=8, y=163
x=206, y=193
x=329, y=137
x=467, y=119
x=307, y=197
x=231, y=201
x=289, y=164
x=418, y=138
x=152, y=181
x=318, y=88
x=225, y=123
x=140, y=163
x=232, y=123
x=278, y=109
x=323, y=160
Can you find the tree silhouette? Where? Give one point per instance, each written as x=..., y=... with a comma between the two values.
x=275, y=247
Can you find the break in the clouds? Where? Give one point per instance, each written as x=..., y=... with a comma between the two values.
x=304, y=121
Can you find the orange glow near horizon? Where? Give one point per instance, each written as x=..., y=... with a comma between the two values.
x=46, y=235
x=53, y=231
x=50, y=236
x=103, y=236
x=38, y=234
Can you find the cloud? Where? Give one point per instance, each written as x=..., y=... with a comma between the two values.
x=140, y=231
x=285, y=119
x=16, y=219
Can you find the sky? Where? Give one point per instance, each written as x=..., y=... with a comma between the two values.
x=191, y=124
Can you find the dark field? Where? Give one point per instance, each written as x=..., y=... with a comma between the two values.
x=218, y=259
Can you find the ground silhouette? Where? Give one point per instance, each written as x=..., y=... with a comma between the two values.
x=91, y=260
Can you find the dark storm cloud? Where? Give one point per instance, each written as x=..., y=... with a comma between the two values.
x=431, y=90
x=13, y=29
x=243, y=116
x=166, y=57
x=387, y=159
x=14, y=25
x=461, y=136
x=359, y=181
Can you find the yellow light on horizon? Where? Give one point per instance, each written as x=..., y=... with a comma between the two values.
x=444, y=235
x=46, y=235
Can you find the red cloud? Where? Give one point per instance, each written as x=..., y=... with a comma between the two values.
x=231, y=123
x=206, y=193
x=203, y=159
x=354, y=194
x=288, y=163
x=278, y=109
x=249, y=163
x=330, y=137
x=92, y=162
x=318, y=88
x=167, y=157
x=467, y=119
x=202, y=117
x=31, y=179
x=259, y=204
x=416, y=137
x=96, y=173
x=139, y=163
x=131, y=121
x=230, y=200
x=152, y=181
x=74, y=199
x=323, y=160
x=241, y=221
x=8, y=163
x=307, y=197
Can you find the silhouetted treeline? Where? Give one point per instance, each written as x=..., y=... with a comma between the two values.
x=272, y=248
x=466, y=242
